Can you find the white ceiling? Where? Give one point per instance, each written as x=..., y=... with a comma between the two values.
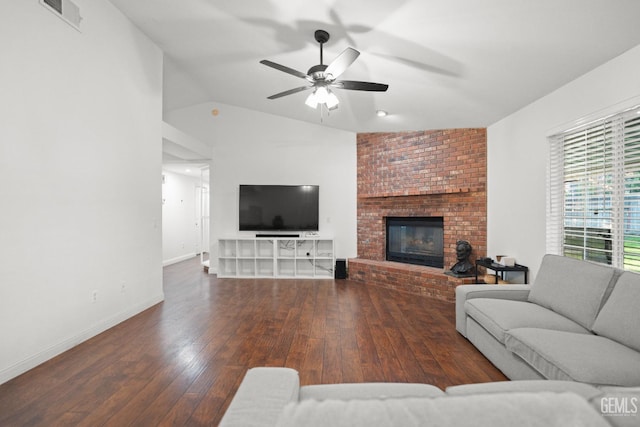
x=177, y=158
x=192, y=170
x=448, y=63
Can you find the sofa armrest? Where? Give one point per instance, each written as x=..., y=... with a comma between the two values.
x=261, y=397
x=466, y=292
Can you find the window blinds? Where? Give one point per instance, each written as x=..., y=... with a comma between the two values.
x=593, y=198
x=631, y=206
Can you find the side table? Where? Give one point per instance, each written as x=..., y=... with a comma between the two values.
x=502, y=269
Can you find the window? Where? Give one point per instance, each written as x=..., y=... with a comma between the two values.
x=593, y=203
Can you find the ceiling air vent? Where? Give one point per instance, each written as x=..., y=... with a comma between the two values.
x=64, y=9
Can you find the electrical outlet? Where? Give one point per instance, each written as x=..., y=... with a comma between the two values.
x=94, y=296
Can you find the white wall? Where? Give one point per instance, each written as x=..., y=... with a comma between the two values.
x=518, y=153
x=256, y=148
x=80, y=169
x=180, y=217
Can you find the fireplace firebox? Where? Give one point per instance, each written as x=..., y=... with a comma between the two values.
x=416, y=240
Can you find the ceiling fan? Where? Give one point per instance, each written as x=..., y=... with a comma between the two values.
x=322, y=78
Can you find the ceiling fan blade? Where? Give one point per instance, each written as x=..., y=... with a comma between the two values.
x=342, y=62
x=285, y=69
x=289, y=92
x=355, y=85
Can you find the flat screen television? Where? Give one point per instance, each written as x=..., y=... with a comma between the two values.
x=279, y=207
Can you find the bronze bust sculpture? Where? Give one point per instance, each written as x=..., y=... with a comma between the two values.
x=463, y=267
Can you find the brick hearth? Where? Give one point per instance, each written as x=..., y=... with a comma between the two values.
x=425, y=173
x=415, y=279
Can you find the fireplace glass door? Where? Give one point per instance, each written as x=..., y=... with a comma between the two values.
x=416, y=240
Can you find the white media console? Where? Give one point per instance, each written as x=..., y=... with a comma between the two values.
x=281, y=257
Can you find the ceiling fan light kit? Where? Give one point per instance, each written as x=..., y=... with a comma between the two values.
x=323, y=77
x=323, y=96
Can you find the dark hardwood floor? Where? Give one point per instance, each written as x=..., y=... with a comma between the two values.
x=180, y=362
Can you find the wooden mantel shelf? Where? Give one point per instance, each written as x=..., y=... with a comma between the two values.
x=406, y=193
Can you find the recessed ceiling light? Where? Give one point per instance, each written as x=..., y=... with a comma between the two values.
x=188, y=170
x=381, y=113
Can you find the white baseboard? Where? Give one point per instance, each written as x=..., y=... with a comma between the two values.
x=41, y=357
x=178, y=259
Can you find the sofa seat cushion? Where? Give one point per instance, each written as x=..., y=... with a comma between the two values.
x=487, y=410
x=498, y=316
x=560, y=355
x=350, y=391
x=619, y=319
x=574, y=288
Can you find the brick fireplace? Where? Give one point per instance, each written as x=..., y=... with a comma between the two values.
x=439, y=173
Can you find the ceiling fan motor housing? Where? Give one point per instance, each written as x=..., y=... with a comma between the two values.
x=317, y=72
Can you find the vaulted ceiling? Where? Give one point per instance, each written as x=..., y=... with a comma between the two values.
x=448, y=63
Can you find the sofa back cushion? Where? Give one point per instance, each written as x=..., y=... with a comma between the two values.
x=542, y=409
x=348, y=391
x=619, y=319
x=574, y=288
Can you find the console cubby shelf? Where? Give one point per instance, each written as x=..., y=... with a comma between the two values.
x=276, y=257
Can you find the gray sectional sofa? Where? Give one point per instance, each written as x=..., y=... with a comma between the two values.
x=273, y=397
x=579, y=321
